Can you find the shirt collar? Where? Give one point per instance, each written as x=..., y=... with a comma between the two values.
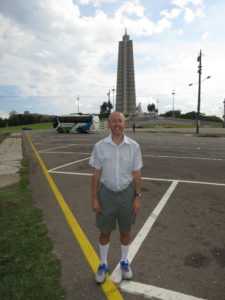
x=109, y=140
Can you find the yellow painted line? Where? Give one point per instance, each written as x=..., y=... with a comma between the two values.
x=109, y=288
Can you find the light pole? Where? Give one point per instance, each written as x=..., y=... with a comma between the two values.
x=173, y=93
x=78, y=103
x=199, y=59
x=199, y=93
x=190, y=84
x=224, y=113
x=113, y=91
x=199, y=101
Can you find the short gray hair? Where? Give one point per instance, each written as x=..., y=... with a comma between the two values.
x=118, y=112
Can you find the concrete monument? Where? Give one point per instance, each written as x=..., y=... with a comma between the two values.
x=125, y=92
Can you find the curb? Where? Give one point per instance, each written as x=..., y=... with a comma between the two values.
x=10, y=160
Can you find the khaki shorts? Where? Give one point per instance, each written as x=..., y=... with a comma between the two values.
x=116, y=206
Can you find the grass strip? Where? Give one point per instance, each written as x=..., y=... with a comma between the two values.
x=37, y=126
x=3, y=135
x=28, y=268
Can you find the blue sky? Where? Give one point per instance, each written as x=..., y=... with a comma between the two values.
x=54, y=50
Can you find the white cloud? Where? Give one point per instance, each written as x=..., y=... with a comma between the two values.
x=131, y=8
x=94, y=2
x=192, y=9
x=161, y=25
x=3, y=115
x=49, y=50
x=184, y=3
x=205, y=36
x=62, y=9
x=190, y=15
x=174, y=13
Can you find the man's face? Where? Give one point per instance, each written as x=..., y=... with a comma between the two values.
x=116, y=124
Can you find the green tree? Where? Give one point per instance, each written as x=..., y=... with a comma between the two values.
x=13, y=112
x=212, y=118
x=190, y=115
x=177, y=113
x=105, y=109
x=151, y=107
x=14, y=120
x=3, y=122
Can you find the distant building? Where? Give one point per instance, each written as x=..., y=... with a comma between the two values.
x=125, y=92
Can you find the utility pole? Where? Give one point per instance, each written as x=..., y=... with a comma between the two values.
x=173, y=93
x=199, y=59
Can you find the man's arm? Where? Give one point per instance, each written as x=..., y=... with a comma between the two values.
x=95, y=185
x=137, y=185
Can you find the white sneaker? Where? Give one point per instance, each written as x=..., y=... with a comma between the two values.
x=126, y=270
x=100, y=275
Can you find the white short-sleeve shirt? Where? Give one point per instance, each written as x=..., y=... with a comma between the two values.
x=116, y=161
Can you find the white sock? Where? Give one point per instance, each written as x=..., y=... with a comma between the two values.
x=124, y=251
x=103, y=253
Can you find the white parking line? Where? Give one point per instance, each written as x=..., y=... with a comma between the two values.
x=71, y=163
x=185, y=181
x=182, y=157
x=142, y=234
x=72, y=139
x=64, y=152
x=60, y=147
x=48, y=151
x=136, y=288
x=182, y=148
x=144, y=178
x=70, y=173
x=153, y=292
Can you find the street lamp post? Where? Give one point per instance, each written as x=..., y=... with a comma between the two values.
x=157, y=106
x=224, y=113
x=113, y=91
x=199, y=59
x=173, y=93
x=78, y=103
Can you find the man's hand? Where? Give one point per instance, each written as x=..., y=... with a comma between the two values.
x=96, y=206
x=136, y=205
x=95, y=185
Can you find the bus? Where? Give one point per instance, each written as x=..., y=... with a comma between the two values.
x=76, y=123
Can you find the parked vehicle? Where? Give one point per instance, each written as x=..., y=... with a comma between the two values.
x=76, y=123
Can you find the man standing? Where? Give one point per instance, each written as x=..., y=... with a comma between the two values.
x=116, y=190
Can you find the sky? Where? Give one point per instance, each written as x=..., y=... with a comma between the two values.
x=60, y=56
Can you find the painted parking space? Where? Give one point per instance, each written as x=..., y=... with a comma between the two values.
x=182, y=202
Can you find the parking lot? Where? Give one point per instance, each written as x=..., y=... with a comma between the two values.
x=178, y=244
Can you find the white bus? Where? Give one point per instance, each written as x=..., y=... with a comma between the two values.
x=76, y=123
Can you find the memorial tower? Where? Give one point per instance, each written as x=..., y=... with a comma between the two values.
x=125, y=92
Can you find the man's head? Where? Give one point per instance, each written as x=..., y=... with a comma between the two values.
x=117, y=123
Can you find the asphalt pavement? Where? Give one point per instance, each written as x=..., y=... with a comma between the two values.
x=178, y=246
